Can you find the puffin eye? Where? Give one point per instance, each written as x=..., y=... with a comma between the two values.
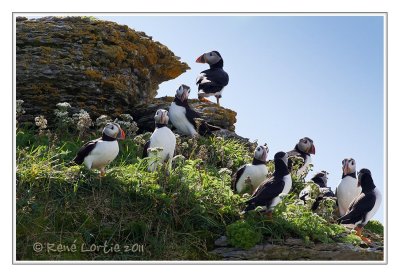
x=211, y=54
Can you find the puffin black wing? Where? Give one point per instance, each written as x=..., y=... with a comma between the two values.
x=237, y=176
x=215, y=76
x=206, y=128
x=359, y=208
x=304, y=193
x=84, y=151
x=145, y=148
x=265, y=193
x=323, y=193
x=210, y=87
x=191, y=114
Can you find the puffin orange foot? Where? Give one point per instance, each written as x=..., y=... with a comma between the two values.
x=204, y=100
x=366, y=240
x=269, y=215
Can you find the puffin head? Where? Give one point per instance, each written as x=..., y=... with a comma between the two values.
x=183, y=92
x=161, y=117
x=261, y=153
x=211, y=58
x=113, y=130
x=365, y=180
x=323, y=175
x=281, y=156
x=348, y=166
x=306, y=145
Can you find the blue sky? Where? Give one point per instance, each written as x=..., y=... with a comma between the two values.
x=290, y=77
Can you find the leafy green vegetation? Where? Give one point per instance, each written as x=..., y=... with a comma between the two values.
x=243, y=234
x=375, y=227
x=174, y=213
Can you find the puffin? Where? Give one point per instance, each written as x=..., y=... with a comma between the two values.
x=100, y=152
x=162, y=137
x=365, y=205
x=321, y=179
x=347, y=189
x=183, y=117
x=267, y=194
x=304, y=148
x=257, y=171
x=212, y=81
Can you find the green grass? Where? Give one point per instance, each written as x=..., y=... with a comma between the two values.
x=175, y=214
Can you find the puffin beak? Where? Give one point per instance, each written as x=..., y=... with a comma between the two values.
x=201, y=59
x=162, y=118
x=184, y=96
x=346, y=169
x=121, y=134
x=264, y=156
x=312, y=150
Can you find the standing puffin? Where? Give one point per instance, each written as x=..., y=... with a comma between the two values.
x=212, y=81
x=304, y=148
x=347, y=189
x=321, y=179
x=364, y=207
x=162, y=137
x=267, y=194
x=257, y=171
x=183, y=116
x=100, y=152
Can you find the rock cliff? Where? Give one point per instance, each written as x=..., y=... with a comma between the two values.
x=297, y=250
x=143, y=114
x=100, y=66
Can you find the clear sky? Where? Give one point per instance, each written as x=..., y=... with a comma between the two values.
x=290, y=77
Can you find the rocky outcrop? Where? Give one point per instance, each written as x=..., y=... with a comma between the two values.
x=99, y=66
x=297, y=250
x=143, y=114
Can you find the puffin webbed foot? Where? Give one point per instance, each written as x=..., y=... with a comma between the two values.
x=204, y=100
x=102, y=172
x=364, y=239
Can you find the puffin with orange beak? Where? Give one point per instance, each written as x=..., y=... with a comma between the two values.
x=304, y=148
x=184, y=117
x=162, y=138
x=365, y=205
x=101, y=152
x=212, y=81
x=347, y=189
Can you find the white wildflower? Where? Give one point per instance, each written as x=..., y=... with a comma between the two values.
x=41, y=122
x=63, y=106
x=63, y=120
x=226, y=171
x=19, y=109
x=155, y=150
x=102, y=121
x=83, y=121
x=127, y=124
x=126, y=117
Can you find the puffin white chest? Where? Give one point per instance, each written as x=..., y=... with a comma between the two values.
x=165, y=139
x=288, y=184
x=302, y=169
x=346, y=192
x=257, y=174
x=103, y=153
x=177, y=115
